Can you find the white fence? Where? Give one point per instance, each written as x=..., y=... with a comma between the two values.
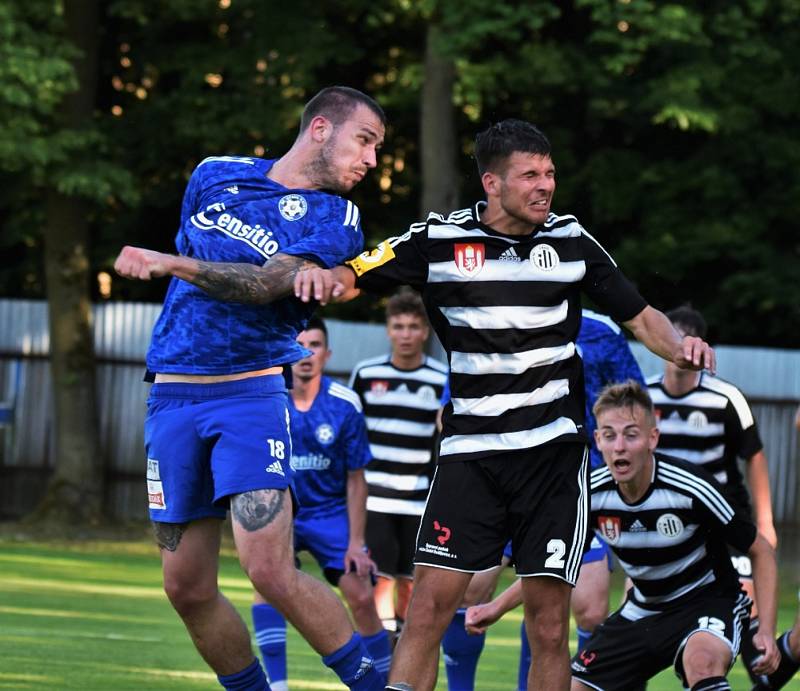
x=769, y=377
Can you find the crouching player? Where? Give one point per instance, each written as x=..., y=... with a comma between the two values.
x=329, y=452
x=668, y=523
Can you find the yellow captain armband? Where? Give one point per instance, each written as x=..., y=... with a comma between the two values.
x=366, y=261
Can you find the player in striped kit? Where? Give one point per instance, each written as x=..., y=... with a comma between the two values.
x=400, y=393
x=501, y=282
x=668, y=523
x=707, y=420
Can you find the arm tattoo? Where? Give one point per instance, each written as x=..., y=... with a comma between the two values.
x=249, y=283
x=257, y=509
x=168, y=535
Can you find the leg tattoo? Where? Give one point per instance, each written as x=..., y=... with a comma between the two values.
x=168, y=535
x=256, y=509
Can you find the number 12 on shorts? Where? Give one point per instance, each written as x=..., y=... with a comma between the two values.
x=712, y=623
x=556, y=549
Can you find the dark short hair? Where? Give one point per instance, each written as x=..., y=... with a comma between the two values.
x=628, y=394
x=495, y=145
x=406, y=301
x=689, y=319
x=337, y=103
x=316, y=322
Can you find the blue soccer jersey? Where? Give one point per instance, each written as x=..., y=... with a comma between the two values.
x=328, y=441
x=607, y=359
x=232, y=212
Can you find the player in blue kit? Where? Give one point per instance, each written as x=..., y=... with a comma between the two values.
x=217, y=427
x=329, y=452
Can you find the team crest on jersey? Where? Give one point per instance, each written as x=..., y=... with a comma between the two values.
x=544, y=257
x=324, y=434
x=669, y=525
x=469, y=258
x=426, y=393
x=379, y=387
x=697, y=419
x=293, y=207
x=610, y=528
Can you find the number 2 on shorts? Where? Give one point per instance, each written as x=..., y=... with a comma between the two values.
x=556, y=549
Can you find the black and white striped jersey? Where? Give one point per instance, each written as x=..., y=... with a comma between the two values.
x=507, y=310
x=711, y=426
x=672, y=542
x=400, y=407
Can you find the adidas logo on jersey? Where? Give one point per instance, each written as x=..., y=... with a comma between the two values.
x=509, y=256
x=275, y=467
x=233, y=190
x=637, y=527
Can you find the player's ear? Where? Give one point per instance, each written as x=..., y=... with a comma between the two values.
x=320, y=129
x=652, y=441
x=491, y=183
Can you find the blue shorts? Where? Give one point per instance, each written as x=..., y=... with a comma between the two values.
x=207, y=442
x=326, y=537
x=598, y=551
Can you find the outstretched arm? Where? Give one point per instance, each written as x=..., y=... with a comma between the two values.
x=326, y=285
x=652, y=328
x=226, y=281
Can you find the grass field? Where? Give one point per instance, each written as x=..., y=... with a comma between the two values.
x=92, y=616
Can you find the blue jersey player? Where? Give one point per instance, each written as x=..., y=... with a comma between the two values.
x=329, y=452
x=217, y=427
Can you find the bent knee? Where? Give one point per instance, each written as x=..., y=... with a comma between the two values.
x=589, y=617
x=701, y=663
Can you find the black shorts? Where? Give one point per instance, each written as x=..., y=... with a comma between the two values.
x=390, y=537
x=537, y=498
x=623, y=654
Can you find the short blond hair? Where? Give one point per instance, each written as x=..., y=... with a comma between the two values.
x=627, y=394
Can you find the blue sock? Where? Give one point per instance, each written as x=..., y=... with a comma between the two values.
x=354, y=666
x=524, y=659
x=380, y=648
x=251, y=678
x=583, y=637
x=270, y=629
x=461, y=653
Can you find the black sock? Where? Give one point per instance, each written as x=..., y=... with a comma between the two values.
x=712, y=684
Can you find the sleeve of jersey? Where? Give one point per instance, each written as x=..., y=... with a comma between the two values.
x=394, y=262
x=737, y=528
x=335, y=239
x=607, y=285
x=356, y=442
x=746, y=440
x=191, y=196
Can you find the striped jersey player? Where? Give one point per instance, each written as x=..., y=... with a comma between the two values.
x=502, y=284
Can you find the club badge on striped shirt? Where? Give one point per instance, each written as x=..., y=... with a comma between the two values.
x=544, y=257
x=610, y=527
x=469, y=258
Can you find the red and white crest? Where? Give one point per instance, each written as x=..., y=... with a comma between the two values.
x=469, y=257
x=379, y=387
x=610, y=528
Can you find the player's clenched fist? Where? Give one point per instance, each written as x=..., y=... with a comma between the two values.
x=142, y=264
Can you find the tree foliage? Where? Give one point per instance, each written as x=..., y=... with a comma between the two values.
x=672, y=125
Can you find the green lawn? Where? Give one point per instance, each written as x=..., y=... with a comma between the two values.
x=92, y=615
